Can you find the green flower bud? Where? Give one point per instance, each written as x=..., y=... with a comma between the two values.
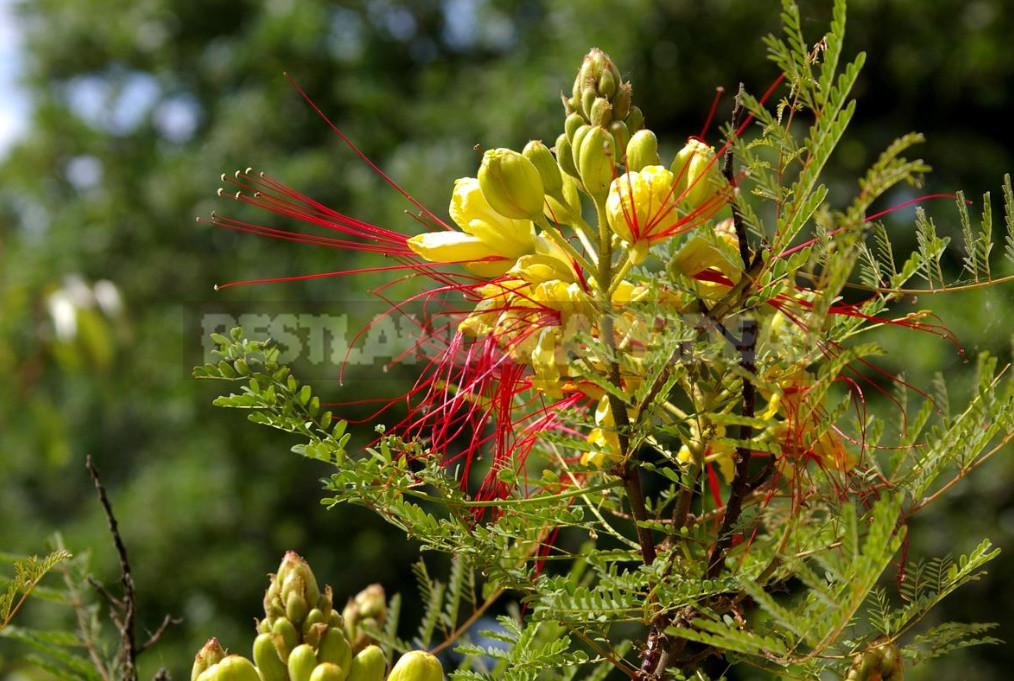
x=368, y=607
x=634, y=119
x=301, y=662
x=236, y=668
x=511, y=184
x=573, y=122
x=272, y=597
x=601, y=113
x=211, y=653
x=621, y=137
x=417, y=666
x=881, y=661
x=209, y=674
x=335, y=620
x=296, y=607
x=285, y=636
x=621, y=102
x=587, y=102
x=565, y=155
x=607, y=84
x=597, y=162
x=292, y=593
x=372, y=602
x=266, y=657
x=368, y=665
x=334, y=647
x=891, y=665
x=642, y=151
x=315, y=616
x=542, y=158
x=697, y=174
x=294, y=565
x=599, y=95
x=327, y=671
x=575, y=143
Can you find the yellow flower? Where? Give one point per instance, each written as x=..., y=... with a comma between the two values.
x=725, y=463
x=489, y=243
x=464, y=249
x=640, y=209
x=604, y=437
x=718, y=252
x=511, y=184
x=698, y=178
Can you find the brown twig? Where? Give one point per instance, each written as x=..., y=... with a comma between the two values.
x=729, y=173
x=123, y=610
x=167, y=621
x=740, y=482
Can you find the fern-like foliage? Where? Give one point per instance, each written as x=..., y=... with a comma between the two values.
x=719, y=486
x=28, y=572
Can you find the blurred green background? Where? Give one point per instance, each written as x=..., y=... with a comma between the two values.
x=137, y=107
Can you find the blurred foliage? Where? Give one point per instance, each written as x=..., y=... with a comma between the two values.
x=139, y=106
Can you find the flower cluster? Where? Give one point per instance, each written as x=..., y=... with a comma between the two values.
x=303, y=638
x=557, y=254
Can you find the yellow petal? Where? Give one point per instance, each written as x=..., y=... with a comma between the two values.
x=471, y=211
x=465, y=249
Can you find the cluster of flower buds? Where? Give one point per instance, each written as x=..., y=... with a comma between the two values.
x=600, y=96
x=600, y=125
x=365, y=611
x=879, y=662
x=541, y=294
x=303, y=638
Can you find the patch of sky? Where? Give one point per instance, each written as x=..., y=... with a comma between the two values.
x=116, y=103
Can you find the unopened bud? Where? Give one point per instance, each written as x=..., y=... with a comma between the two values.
x=368, y=607
x=621, y=102
x=334, y=647
x=267, y=659
x=511, y=184
x=293, y=590
x=575, y=144
x=697, y=174
x=368, y=665
x=565, y=155
x=588, y=101
x=601, y=113
x=285, y=636
x=315, y=616
x=542, y=158
x=573, y=122
x=209, y=674
x=621, y=136
x=607, y=84
x=210, y=653
x=301, y=662
x=634, y=119
x=296, y=607
x=597, y=161
x=642, y=150
x=236, y=668
x=417, y=666
x=327, y=671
